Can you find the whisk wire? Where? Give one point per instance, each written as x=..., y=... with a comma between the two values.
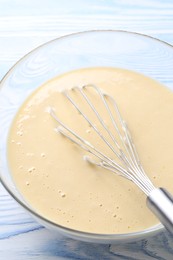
x=141, y=172
x=93, y=125
x=120, y=153
x=103, y=96
x=131, y=167
x=132, y=161
x=87, y=146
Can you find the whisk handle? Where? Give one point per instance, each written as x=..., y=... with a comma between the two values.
x=160, y=202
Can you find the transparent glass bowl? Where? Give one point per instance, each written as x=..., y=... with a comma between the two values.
x=120, y=49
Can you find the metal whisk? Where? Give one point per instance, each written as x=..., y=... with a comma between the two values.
x=125, y=161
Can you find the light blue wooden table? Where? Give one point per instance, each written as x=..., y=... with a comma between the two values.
x=27, y=24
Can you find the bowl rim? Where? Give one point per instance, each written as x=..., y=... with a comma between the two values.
x=83, y=235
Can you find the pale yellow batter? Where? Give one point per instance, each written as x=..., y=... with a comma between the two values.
x=52, y=176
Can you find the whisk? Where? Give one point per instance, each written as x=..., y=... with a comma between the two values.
x=125, y=161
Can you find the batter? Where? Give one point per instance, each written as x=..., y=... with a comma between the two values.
x=49, y=170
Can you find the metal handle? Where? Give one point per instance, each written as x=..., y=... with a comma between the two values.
x=160, y=201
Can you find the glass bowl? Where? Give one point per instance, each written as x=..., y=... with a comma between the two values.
x=121, y=49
